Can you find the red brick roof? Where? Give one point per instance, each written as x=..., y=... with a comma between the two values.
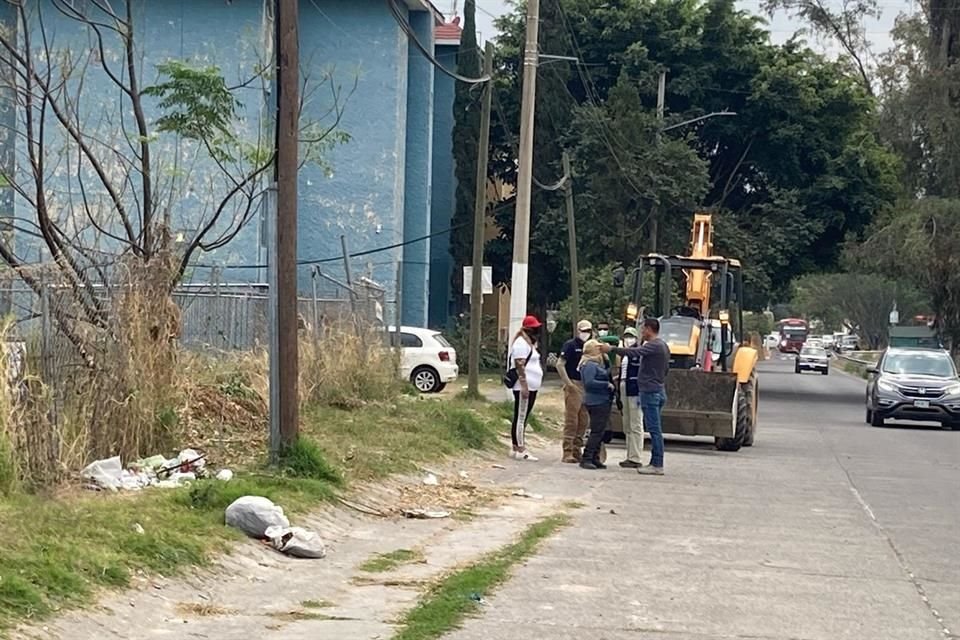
x=450, y=31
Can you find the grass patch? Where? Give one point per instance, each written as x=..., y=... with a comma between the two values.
x=317, y=604
x=203, y=610
x=58, y=552
x=303, y=459
x=453, y=598
x=398, y=436
x=505, y=411
x=385, y=562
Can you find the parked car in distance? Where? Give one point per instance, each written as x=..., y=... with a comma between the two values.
x=812, y=358
x=772, y=341
x=828, y=341
x=914, y=384
x=813, y=342
x=849, y=342
x=427, y=360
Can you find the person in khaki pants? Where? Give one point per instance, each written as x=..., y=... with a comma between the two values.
x=575, y=417
x=630, y=398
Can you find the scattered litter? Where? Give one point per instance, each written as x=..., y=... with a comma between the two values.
x=296, y=542
x=425, y=514
x=497, y=466
x=464, y=475
x=479, y=599
x=138, y=528
x=110, y=474
x=225, y=475
x=254, y=515
x=430, y=480
x=522, y=493
x=362, y=508
x=153, y=471
x=613, y=512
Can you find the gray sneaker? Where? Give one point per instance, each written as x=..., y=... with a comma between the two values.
x=650, y=471
x=630, y=464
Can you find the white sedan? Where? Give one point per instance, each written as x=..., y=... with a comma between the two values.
x=428, y=361
x=812, y=359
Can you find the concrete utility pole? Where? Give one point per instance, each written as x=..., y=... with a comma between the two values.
x=479, y=218
x=521, y=228
x=661, y=99
x=572, y=241
x=284, y=358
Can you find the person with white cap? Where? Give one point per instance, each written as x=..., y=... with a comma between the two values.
x=630, y=399
x=575, y=416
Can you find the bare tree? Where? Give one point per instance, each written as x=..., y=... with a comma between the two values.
x=102, y=160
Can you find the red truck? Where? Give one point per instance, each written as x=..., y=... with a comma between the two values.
x=793, y=333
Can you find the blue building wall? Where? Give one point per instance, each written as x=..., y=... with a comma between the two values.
x=378, y=190
x=444, y=186
x=417, y=196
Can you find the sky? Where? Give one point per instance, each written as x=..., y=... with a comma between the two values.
x=781, y=26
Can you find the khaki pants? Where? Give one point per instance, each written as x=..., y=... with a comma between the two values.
x=632, y=425
x=575, y=421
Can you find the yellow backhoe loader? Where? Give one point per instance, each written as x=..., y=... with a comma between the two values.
x=712, y=385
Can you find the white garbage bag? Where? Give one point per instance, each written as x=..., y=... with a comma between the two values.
x=296, y=542
x=254, y=515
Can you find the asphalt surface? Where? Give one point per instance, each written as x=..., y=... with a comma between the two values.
x=826, y=529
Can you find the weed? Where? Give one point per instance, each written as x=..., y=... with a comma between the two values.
x=203, y=610
x=386, y=562
x=303, y=459
x=505, y=410
x=454, y=597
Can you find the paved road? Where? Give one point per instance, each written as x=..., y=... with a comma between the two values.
x=826, y=529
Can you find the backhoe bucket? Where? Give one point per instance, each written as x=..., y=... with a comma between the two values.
x=701, y=403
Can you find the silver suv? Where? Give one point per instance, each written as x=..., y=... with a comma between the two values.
x=914, y=384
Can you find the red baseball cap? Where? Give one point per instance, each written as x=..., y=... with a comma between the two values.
x=531, y=322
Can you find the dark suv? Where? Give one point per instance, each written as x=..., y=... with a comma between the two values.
x=914, y=384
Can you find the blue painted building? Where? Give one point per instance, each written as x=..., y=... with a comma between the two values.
x=389, y=185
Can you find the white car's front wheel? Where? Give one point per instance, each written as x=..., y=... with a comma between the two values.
x=425, y=379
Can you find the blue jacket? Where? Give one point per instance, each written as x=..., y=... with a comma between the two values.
x=596, y=385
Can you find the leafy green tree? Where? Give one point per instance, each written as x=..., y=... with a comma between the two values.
x=918, y=241
x=862, y=302
x=466, y=140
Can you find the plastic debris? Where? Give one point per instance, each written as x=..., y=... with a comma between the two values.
x=479, y=599
x=254, y=515
x=110, y=474
x=430, y=480
x=137, y=527
x=522, y=493
x=425, y=514
x=464, y=475
x=225, y=475
x=497, y=466
x=297, y=542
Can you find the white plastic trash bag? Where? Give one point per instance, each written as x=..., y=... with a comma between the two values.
x=254, y=515
x=296, y=542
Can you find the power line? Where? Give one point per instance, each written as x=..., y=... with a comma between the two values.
x=412, y=36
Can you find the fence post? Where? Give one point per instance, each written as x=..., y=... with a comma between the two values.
x=316, y=300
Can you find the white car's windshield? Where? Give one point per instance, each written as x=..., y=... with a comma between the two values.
x=921, y=363
x=813, y=351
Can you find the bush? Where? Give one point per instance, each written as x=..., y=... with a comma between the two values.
x=492, y=356
x=347, y=368
x=303, y=459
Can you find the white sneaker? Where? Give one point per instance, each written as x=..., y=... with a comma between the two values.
x=525, y=455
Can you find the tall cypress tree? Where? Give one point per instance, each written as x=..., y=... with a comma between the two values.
x=466, y=134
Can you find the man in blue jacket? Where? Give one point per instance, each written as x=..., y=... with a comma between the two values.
x=630, y=399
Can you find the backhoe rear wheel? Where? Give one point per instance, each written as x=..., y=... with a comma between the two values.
x=744, y=414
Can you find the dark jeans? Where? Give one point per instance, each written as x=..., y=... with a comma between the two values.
x=521, y=413
x=651, y=403
x=599, y=420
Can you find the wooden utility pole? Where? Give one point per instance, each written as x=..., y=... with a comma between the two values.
x=479, y=220
x=521, y=227
x=572, y=242
x=654, y=214
x=287, y=164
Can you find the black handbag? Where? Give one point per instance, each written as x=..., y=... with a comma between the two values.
x=510, y=378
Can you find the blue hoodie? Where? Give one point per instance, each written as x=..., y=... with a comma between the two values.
x=596, y=385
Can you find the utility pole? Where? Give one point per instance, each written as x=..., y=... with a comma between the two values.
x=284, y=358
x=661, y=99
x=521, y=227
x=571, y=241
x=479, y=218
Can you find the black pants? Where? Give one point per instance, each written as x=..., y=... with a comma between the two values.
x=599, y=420
x=521, y=412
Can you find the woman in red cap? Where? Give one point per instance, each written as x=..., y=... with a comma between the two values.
x=525, y=357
